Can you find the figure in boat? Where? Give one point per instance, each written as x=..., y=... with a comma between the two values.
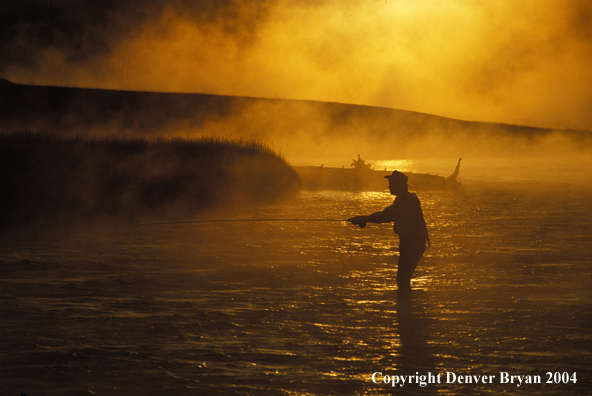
x=362, y=173
x=360, y=164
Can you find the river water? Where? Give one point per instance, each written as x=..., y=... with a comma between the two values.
x=308, y=307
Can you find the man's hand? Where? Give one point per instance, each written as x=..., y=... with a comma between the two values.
x=358, y=220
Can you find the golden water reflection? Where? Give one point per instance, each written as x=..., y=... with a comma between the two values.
x=312, y=308
x=403, y=165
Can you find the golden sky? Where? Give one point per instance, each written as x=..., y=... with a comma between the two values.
x=519, y=62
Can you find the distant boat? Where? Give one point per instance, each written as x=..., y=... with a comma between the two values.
x=361, y=177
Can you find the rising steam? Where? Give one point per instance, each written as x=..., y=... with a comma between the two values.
x=514, y=62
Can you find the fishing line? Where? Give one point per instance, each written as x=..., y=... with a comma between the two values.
x=236, y=220
x=229, y=221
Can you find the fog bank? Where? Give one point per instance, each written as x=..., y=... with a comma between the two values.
x=304, y=132
x=523, y=62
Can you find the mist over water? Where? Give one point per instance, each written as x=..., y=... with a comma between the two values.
x=306, y=132
x=306, y=307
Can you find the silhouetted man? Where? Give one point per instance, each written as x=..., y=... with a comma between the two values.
x=407, y=215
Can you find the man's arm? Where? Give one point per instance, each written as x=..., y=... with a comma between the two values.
x=384, y=216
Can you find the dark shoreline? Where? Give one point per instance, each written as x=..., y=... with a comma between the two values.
x=49, y=180
x=382, y=132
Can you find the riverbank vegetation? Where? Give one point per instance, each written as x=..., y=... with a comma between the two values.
x=48, y=179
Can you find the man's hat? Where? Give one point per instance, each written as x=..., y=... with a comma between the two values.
x=397, y=177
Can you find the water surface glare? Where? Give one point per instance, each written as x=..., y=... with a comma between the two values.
x=306, y=308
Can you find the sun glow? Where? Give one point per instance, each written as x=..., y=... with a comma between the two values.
x=501, y=61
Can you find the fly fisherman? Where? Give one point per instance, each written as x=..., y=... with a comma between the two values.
x=409, y=223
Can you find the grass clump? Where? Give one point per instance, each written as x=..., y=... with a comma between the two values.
x=48, y=179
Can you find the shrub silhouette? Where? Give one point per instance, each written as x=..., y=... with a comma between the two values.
x=48, y=179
